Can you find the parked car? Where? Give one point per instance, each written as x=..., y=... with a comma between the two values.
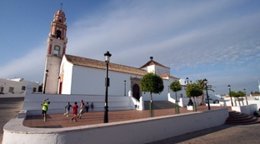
x=212, y=100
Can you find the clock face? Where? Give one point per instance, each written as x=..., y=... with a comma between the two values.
x=56, y=50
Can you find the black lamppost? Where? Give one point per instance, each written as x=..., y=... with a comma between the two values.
x=206, y=87
x=107, y=57
x=45, y=81
x=246, y=96
x=229, y=88
x=124, y=87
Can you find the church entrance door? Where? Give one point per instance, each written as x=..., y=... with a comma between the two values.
x=60, y=89
x=136, y=91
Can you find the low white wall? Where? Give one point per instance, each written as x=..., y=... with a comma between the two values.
x=11, y=95
x=248, y=109
x=183, y=102
x=32, y=102
x=129, y=132
x=250, y=100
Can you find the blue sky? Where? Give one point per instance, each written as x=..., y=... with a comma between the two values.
x=218, y=40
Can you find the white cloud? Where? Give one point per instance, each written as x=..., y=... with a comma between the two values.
x=29, y=66
x=141, y=31
x=177, y=34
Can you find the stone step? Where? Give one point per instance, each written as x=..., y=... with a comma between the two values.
x=159, y=105
x=241, y=118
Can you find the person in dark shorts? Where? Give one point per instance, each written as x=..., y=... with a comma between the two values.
x=87, y=106
x=67, y=109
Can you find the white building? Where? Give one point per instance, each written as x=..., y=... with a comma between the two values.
x=67, y=74
x=17, y=86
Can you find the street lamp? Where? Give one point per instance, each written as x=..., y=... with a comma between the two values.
x=246, y=96
x=206, y=87
x=107, y=57
x=124, y=87
x=187, y=81
x=45, y=81
x=229, y=88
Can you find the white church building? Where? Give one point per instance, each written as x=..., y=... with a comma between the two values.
x=74, y=75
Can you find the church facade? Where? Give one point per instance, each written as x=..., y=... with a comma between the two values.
x=68, y=74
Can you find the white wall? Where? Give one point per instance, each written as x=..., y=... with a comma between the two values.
x=248, y=109
x=157, y=69
x=150, y=69
x=66, y=71
x=53, y=67
x=32, y=102
x=163, y=96
x=92, y=81
x=251, y=100
x=17, y=85
x=128, y=132
x=161, y=70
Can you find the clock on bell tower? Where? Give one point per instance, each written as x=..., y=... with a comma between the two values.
x=57, y=41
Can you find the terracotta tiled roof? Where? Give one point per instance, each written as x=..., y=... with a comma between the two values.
x=168, y=76
x=152, y=62
x=87, y=62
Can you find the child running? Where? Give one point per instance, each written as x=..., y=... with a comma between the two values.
x=67, y=109
x=82, y=107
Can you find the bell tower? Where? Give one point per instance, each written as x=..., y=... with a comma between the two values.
x=56, y=48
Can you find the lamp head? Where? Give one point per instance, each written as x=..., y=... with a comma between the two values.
x=205, y=81
x=107, y=56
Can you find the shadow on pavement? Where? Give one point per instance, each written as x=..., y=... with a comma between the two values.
x=187, y=136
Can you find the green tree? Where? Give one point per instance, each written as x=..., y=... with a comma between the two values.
x=152, y=83
x=202, y=87
x=175, y=87
x=194, y=90
x=237, y=95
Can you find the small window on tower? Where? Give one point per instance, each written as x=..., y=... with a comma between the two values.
x=60, y=19
x=56, y=50
x=58, y=34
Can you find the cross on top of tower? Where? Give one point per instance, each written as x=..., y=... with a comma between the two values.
x=61, y=6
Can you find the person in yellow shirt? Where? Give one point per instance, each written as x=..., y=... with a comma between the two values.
x=45, y=106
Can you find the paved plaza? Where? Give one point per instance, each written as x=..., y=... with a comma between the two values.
x=59, y=120
x=223, y=134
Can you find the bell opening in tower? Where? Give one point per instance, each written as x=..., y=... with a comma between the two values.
x=58, y=34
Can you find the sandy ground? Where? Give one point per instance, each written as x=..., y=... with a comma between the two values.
x=9, y=108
